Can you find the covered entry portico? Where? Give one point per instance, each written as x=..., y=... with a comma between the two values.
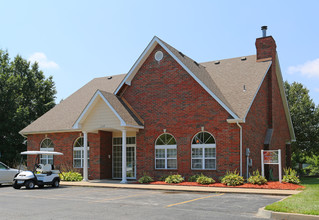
x=107, y=112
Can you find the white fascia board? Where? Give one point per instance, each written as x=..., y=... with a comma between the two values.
x=127, y=78
x=88, y=107
x=258, y=90
x=284, y=99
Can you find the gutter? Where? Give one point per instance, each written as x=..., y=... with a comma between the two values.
x=237, y=121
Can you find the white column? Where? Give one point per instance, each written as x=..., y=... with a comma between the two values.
x=124, y=180
x=85, y=164
x=279, y=165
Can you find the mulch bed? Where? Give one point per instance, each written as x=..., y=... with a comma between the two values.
x=269, y=185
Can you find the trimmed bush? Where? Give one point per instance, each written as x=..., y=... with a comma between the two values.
x=193, y=178
x=205, y=180
x=174, y=179
x=257, y=179
x=232, y=179
x=291, y=176
x=145, y=179
x=71, y=176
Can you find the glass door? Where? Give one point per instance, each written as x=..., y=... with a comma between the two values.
x=130, y=158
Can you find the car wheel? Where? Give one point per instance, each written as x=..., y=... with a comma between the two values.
x=15, y=185
x=30, y=184
x=56, y=183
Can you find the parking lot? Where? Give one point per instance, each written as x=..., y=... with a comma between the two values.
x=111, y=203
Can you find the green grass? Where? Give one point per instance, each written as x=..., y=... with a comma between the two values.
x=306, y=202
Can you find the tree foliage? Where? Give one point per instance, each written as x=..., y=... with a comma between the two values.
x=305, y=119
x=25, y=95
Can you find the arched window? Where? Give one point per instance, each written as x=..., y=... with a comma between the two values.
x=165, y=152
x=46, y=145
x=78, y=153
x=203, y=151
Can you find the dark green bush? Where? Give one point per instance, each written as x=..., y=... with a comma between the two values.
x=291, y=176
x=202, y=179
x=232, y=179
x=71, y=176
x=145, y=179
x=257, y=179
x=193, y=178
x=174, y=179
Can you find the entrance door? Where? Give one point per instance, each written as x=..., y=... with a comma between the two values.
x=130, y=158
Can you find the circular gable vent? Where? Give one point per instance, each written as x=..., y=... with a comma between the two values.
x=159, y=55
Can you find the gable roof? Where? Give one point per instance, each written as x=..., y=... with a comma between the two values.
x=239, y=80
x=63, y=115
x=197, y=71
x=119, y=108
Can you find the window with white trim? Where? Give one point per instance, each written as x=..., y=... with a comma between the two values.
x=46, y=145
x=78, y=153
x=165, y=152
x=203, y=152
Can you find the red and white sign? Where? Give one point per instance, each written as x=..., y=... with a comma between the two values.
x=271, y=157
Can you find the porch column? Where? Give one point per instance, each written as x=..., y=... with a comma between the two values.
x=85, y=164
x=124, y=180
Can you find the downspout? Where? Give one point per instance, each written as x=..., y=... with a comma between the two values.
x=241, y=147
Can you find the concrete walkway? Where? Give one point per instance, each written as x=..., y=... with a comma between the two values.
x=116, y=184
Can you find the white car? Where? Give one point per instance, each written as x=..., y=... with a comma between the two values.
x=7, y=174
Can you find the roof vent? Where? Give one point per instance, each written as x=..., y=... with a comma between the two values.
x=159, y=55
x=217, y=62
x=196, y=63
x=181, y=54
x=243, y=58
x=264, y=29
x=244, y=88
x=110, y=77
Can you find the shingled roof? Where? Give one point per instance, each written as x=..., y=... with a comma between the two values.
x=233, y=82
x=63, y=115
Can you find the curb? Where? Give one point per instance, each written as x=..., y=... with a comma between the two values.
x=262, y=213
x=184, y=188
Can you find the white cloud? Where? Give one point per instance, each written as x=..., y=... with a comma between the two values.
x=309, y=69
x=316, y=89
x=43, y=61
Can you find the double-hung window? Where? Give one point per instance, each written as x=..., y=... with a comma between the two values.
x=165, y=152
x=78, y=153
x=46, y=145
x=203, y=152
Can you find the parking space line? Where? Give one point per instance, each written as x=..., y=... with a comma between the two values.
x=180, y=203
x=123, y=197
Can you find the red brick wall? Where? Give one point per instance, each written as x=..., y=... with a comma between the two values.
x=167, y=97
x=100, y=146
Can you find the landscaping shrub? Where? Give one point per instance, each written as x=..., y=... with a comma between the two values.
x=145, y=179
x=202, y=179
x=174, y=179
x=71, y=176
x=290, y=176
x=193, y=178
x=232, y=179
x=257, y=179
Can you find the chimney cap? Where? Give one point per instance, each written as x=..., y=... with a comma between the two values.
x=264, y=27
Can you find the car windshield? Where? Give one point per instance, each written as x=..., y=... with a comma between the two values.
x=3, y=167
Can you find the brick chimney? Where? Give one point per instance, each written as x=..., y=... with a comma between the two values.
x=265, y=46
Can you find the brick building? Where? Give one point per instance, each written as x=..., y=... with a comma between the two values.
x=170, y=114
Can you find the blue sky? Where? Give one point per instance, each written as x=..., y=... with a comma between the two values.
x=76, y=41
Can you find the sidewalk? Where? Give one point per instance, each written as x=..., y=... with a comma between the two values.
x=116, y=184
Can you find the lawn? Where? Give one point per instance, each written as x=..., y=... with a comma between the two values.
x=306, y=202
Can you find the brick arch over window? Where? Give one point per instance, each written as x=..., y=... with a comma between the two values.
x=203, y=151
x=165, y=152
x=78, y=153
x=46, y=145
